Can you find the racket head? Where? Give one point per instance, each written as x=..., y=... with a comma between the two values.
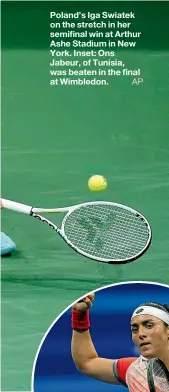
x=157, y=376
x=107, y=232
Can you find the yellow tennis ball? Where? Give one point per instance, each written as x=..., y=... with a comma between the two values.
x=97, y=183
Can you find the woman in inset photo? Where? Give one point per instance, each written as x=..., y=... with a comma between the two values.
x=115, y=335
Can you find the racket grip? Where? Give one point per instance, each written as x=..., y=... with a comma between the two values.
x=14, y=206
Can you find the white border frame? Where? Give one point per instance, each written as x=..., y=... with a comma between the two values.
x=78, y=299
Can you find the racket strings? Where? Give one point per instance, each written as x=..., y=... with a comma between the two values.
x=106, y=231
x=161, y=379
x=158, y=376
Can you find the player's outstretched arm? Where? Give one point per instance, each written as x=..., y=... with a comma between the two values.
x=83, y=351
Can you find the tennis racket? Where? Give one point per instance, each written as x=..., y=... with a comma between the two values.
x=102, y=231
x=157, y=376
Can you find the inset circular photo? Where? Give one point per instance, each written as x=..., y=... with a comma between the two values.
x=114, y=339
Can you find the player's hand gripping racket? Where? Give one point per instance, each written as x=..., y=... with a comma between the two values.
x=157, y=376
x=102, y=231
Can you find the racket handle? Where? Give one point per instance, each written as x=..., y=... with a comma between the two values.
x=14, y=206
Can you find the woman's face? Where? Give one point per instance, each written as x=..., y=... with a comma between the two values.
x=150, y=335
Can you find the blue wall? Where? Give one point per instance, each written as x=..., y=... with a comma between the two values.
x=110, y=330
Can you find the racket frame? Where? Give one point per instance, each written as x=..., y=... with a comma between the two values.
x=150, y=377
x=33, y=211
x=109, y=261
